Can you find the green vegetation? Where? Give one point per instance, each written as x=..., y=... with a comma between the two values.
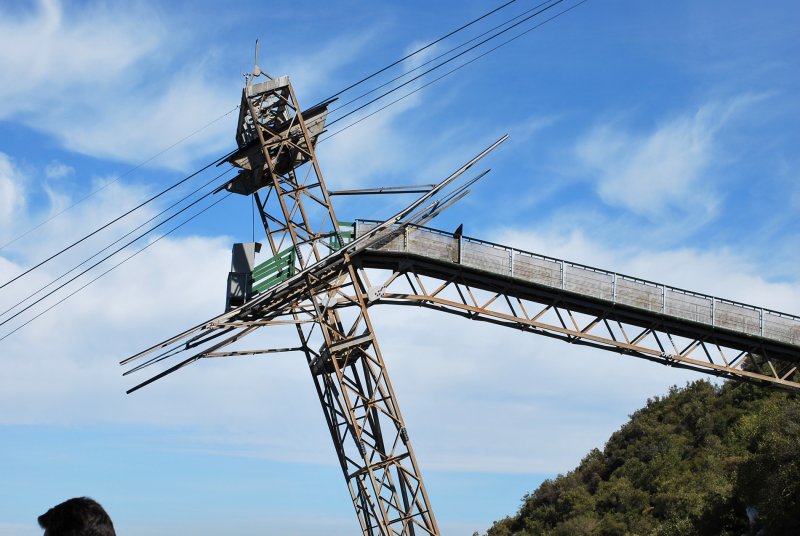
x=701, y=460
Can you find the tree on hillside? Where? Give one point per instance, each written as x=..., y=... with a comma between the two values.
x=702, y=460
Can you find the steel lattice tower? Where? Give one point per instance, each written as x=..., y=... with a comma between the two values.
x=360, y=407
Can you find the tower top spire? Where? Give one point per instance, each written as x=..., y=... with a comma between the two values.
x=257, y=70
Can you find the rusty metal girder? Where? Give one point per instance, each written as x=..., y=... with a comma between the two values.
x=349, y=373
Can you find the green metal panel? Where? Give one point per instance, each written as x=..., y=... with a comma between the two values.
x=274, y=271
x=282, y=266
x=346, y=231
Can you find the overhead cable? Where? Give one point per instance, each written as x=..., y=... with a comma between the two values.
x=443, y=54
x=109, y=183
x=412, y=54
x=107, y=247
x=490, y=38
x=129, y=257
x=107, y=257
x=111, y=222
x=461, y=66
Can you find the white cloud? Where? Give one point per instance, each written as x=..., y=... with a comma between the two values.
x=52, y=52
x=12, y=195
x=65, y=361
x=144, y=124
x=58, y=170
x=667, y=172
x=120, y=83
x=476, y=397
x=521, y=132
x=103, y=84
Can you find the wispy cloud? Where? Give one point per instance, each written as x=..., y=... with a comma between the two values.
x=667, y=171
x=100, y=79
x=476, y=397
x=120, y=84
x=57, y=54
x=12, y=194
x=58, y=170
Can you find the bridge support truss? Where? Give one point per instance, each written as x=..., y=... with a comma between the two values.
x=412, y=280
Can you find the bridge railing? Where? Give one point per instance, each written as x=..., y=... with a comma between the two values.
x=594, y=282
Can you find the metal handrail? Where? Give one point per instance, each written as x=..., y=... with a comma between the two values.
x=614, y=275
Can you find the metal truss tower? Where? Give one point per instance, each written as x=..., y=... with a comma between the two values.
x=318, y=282
x=276, y=154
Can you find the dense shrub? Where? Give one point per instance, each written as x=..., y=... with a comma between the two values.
x=702, y=460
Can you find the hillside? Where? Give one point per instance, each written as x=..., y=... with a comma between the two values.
x=702, y=460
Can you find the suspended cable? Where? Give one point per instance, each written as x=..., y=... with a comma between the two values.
x=113, y=221
x=109, y=183
x=65, y=298
x=428, y=62
x=118, y=240
x=106, y=258
x=446, y=62
x=452, y=71
x=404, y=58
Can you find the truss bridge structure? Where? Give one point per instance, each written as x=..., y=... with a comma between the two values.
x=323, y=276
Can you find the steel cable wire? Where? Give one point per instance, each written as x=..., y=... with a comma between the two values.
x=109, y=223
x=328, y=137
x=432, y=43
x=108, y=257
x=421, y=49
x=109, y=183
x=443, y=54
x=473, y=47
x=118, y=240
x=354, y=123
x=135, y=253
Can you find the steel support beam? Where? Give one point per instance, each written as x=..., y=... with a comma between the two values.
x=349, y=373
x=403, y=279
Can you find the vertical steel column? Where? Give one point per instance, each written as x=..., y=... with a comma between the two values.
x=349, y=372
x=614, y=287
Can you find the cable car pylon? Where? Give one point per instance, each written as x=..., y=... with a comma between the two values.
x=316, y=287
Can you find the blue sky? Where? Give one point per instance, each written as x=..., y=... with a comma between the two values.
x=655, y=139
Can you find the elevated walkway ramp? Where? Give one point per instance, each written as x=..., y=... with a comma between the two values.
x=709, y=322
